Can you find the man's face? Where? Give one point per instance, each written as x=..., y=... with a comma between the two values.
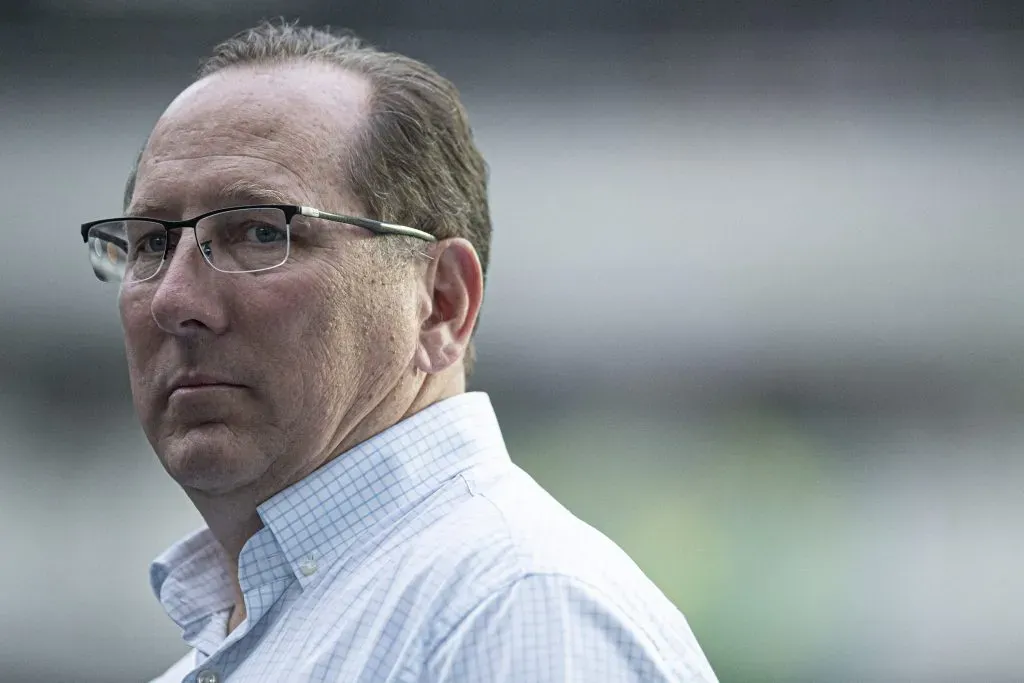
x=300, y=352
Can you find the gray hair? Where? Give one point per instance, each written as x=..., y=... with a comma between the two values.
x=414, y=161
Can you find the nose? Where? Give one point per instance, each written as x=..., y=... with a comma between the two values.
x=187, y=301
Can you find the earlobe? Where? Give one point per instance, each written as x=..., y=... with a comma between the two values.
x=422, y=360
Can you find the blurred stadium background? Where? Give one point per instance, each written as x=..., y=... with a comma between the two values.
x=755, y=312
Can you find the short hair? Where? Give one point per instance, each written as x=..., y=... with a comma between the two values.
x=414, y=161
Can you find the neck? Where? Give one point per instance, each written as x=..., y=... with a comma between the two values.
x=232, y=521
x=232, y=517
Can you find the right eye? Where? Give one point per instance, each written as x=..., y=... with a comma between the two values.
x=153, y=243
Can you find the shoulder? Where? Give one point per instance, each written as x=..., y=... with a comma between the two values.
x=552, y=627
x=511, y=527
x=510, y=548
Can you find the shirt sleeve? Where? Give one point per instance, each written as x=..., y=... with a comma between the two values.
x=555, y=629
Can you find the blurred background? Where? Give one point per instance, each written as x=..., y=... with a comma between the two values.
x=754, y=312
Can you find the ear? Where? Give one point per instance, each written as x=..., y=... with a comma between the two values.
x=450, y=298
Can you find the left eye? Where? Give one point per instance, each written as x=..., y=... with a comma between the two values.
x=264, y=234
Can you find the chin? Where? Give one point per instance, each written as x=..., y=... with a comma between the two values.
x=212, y=459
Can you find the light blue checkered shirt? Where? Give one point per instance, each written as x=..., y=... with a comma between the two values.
x=423, y=555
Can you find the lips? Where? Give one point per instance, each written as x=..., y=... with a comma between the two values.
x=194, y=381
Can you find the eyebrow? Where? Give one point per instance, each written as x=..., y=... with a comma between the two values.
x=238, y=193
x=245, y=191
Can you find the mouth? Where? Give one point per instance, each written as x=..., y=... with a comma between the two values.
x=196, y=384
x=186, y=389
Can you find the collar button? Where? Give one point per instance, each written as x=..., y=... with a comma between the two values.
x=307, y=566
x=207, y=676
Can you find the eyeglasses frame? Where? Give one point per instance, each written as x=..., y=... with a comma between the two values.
x=290, y=211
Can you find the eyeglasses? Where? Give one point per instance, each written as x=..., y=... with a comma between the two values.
x=244, y=239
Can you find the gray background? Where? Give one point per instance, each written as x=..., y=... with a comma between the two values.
x=754, y=311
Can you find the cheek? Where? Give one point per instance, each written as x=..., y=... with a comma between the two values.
x=364, y=331
x=140, y=338
x=289, y=331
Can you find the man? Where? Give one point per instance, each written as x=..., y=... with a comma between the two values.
x=300, y=279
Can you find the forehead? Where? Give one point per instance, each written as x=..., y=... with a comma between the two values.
x=285, y=127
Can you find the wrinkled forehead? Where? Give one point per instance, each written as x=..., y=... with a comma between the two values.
x=284, y=128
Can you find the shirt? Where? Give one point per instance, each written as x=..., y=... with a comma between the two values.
x=423, y=555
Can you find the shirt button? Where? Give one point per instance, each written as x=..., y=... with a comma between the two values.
x=308, y=566
x=207, y=677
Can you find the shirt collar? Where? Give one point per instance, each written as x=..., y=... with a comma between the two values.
x=329, y=513
x=323, y=517
x=190, y=579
